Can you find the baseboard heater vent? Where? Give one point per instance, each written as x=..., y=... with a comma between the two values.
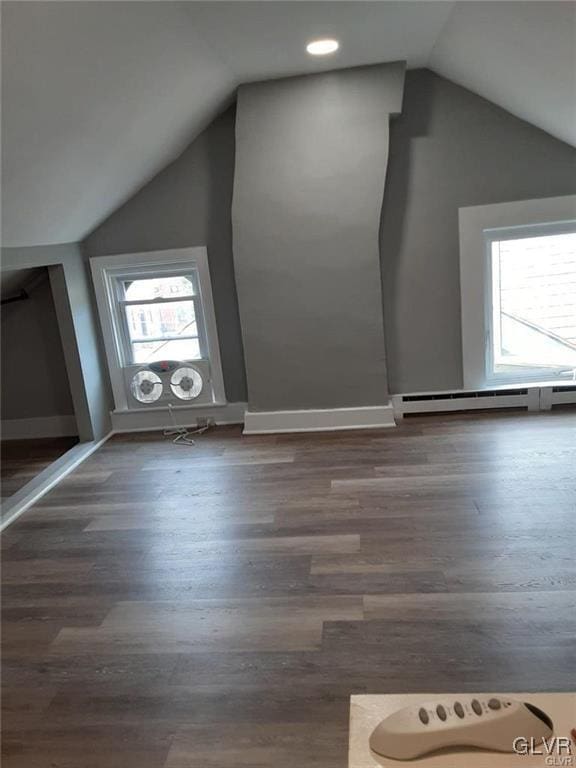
x=562, y=395
x=462, y=395
x=535, y=398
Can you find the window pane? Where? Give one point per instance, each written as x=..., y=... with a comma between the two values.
x=534, y=303
x=157, y=321
x=176, y=349
x=158, y=288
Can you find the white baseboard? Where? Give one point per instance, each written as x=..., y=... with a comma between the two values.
x=145, y=420
x=19, y=502
x=38, y=427
x=328, y=420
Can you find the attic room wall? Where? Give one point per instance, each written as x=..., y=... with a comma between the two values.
x=186, y=204
x=34, y=379
x=311, y=155
x=448, y=149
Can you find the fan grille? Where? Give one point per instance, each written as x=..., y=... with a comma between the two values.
x=146, y=387
x=186, y=383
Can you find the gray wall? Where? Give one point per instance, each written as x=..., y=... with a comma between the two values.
x=79, y=330
x=448, y=149
x=34, y=378
x=186, y=204
x=311, y=155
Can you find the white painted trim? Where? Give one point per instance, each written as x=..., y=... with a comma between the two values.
x=475, y=222
x=14, y=506
x=328, y=420
x=38, y=427
x=146, y=420
x=103, y=268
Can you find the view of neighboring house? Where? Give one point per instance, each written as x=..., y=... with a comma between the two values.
x=535, y=281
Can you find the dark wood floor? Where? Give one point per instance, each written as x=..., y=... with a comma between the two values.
x=22, y=460
x=216, y=606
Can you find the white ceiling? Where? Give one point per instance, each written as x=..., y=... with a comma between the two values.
x=99, y=96
x=260, y=40
x=520, y=55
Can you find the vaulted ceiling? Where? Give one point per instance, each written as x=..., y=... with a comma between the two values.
x=99, y=96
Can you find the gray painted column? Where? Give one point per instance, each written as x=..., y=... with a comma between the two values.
x=311, y=158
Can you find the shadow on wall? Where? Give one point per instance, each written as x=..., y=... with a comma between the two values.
x=393, y=219
x=219, y=226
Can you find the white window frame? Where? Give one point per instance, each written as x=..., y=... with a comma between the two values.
x=479, y=227
x=107, y=271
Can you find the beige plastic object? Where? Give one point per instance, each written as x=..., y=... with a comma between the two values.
x=475, y=721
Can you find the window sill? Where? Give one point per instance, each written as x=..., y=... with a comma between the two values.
x=165, y=408
x=158, y=418
x=499, y=384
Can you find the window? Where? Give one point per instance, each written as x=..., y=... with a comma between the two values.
x=518, y=292
x=533, y=315
x=160, y=318
x=156, y=311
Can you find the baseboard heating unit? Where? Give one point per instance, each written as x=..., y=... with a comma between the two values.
x=533, y=397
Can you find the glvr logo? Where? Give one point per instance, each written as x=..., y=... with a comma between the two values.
x=557, y=750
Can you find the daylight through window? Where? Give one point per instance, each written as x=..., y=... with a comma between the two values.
x=533, y=306
x=161, y=318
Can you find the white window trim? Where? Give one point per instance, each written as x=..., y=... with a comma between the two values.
x=104, y=271
x=475, y=225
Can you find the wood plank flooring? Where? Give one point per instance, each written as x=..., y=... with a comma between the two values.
x=22, y=460
x=215, y=606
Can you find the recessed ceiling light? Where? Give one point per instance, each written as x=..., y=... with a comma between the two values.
x=322, y=47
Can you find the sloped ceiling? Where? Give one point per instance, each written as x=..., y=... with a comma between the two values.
x=99, y=96
x=96, y=97
x=520, y=55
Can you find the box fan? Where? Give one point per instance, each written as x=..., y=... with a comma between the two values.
x=169, y=383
